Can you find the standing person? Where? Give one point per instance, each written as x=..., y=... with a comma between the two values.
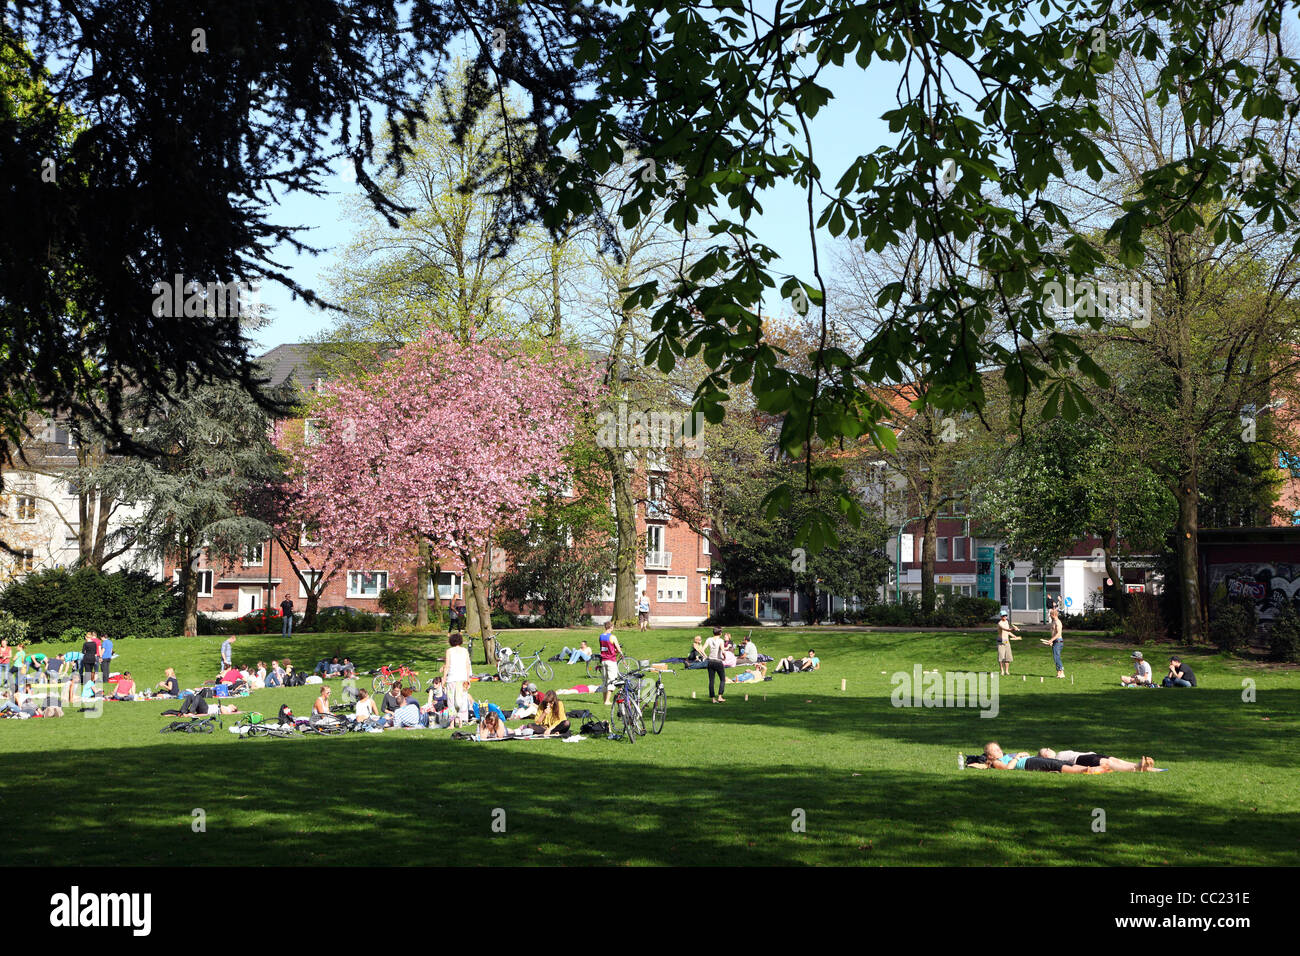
x=105, y=656
x=456, y=674
x=226, y=649
x=714, y=650
x=89, y=657
x=6, y=654
x=1056, y=641
x=609, y=653
x=286, y=611
x=1005, y=637
x=643, y=612
x=18, y=667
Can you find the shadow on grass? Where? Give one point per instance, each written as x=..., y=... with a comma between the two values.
x=415, y=799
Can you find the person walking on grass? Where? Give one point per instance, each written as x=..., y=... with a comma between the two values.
x=1056, y=641
x=1005, y=637
x=609, y=654
x=227, y=648
x=643, y=612
x=714, y=650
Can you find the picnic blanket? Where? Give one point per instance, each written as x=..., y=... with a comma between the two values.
x=580, y=689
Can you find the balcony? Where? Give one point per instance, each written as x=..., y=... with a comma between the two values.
x=658, y=560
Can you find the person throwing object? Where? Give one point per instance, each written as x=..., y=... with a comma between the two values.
x=1005, y=636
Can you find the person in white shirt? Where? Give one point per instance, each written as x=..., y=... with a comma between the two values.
x=456, y=673
x=714, y=651
x=643, y=612
x=749, y=653
x=1141, y=676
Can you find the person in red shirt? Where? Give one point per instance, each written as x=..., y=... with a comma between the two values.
x=125, y=688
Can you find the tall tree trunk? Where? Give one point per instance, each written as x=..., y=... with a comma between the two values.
x=1185, y=547
x=1114, y=595
x=313, y=605
x=481, y=608
x=190, y=586
x=625, y=554
x=437, y=595
x=422, y=584
x=928, y=551
x=102, y=517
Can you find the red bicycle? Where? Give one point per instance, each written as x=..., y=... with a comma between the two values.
x=388, y=677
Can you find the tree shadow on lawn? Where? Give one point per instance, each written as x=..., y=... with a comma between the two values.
x=397, y=799
x=1198, y=725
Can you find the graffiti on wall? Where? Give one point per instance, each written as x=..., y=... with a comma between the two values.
x=1271, y=585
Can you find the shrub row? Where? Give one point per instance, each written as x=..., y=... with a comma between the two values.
x=58, y=602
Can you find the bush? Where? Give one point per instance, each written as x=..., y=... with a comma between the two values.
x=1284, y=636
x=122, y=603
x=73, y=635
x=398, y=604
x=1143, y=622
x=1232, y=624
x=346, y=619
x=1101, y=619
x=14, y=630
x=973, y=611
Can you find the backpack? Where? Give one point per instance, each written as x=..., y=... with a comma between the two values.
x=286, y=715
x=296, y=679
x=595, y=727
x=255, y=718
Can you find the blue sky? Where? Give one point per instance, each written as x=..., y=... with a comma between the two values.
x=847, y=127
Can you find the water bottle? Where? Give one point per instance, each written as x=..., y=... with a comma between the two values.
x=961, y=760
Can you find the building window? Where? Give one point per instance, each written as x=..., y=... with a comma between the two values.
x=312, y=431
x=1027, y=593
x=205, y=581
x=26, y=508
x=655, y=508
x=366, y=584
x=448, y=585
x=26, y=560
x=959, y=549
x=941, y=549
x=312, y=582
x=62, y=441
x=706, y=491
x=704, y=542
x=253, y=556
x=704, y=589
x=309, y=537
x=671, y=589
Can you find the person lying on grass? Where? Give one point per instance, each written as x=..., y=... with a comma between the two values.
x=491, y=727
x=755, y=673
x=793, y=665
x=995, y=759
x=1089, y=758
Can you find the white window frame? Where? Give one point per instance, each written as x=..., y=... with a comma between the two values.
x=454, y=589
x=676, y=584
x=201, y=572
x=313, y=576
x=26, y=560
x=354, y=577
x=19, y=508
x=306, y=542
x=964, y=549
x=704, y=543
x=653, y=531
x=312, y=434
x=261, y=555
x=942, y=550
x=704, y=589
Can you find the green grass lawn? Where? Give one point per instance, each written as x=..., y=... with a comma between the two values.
x=877, y=784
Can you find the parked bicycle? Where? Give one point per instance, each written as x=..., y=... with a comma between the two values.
x=388, y=677
x=625, y=712
x=512, y=667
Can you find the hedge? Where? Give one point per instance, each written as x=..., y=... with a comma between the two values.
x=121, y=604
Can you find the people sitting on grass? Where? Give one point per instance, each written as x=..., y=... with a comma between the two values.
x=748, y=652
x=697, y=650
x=275, y=676
x=408, y=714
x=1104, y=763
x=1141, y=676
x=795, y=665
x=125, y=689
x=321, y=705
x=551, y=720
x=393, y=699
x=580, y=653
x=366, y=712
x=756, y=673
x=437, y=697
x=169, y=686
x=526, y=702
x=26, y=706
x=347, y=668
x=1180, y=675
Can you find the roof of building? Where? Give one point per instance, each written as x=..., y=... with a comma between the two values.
x=293, y=362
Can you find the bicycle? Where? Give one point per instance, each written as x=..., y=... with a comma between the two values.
x=511, y=667
x=625, y=711
x=270, y=730
x=656, y=696
x=388, y=677
x=327, y=728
